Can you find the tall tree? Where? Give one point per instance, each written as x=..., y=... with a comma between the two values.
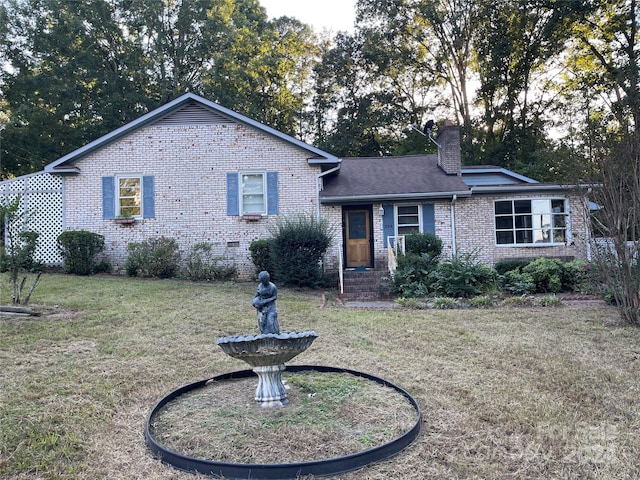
x=77, y=70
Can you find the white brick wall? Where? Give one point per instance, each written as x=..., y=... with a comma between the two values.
x=189, y=164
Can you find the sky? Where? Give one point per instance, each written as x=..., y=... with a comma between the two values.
x=333, y=15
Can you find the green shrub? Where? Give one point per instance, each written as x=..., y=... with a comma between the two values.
x=412, y=275
x=581, y=277
x=157, y=257
x=261, y=255
x=549, y=301
x=481, y=301
x=299, y=243
x=504, y=266
x=412, y=303
x=462, y=276
x=79, y=250
x=202, y=264
x=547, y=274
x=423, y=243
x=444, y=303
x=520, y=301
x=517, y=283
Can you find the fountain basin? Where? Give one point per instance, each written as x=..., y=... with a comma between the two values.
x=267, y=354
x=268, y=349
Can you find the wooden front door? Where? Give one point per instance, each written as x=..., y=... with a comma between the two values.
x=358, y=238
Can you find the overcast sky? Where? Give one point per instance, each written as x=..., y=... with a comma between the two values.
x=332, y=15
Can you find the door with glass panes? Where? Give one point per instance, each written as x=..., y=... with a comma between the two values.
x=357, y=222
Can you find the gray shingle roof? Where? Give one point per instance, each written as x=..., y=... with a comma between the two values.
x=391, y=178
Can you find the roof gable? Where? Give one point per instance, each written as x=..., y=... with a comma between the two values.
x=187, y=109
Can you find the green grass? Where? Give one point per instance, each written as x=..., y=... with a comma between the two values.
x=520, y=392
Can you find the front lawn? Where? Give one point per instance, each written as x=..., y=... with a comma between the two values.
x=505, y=393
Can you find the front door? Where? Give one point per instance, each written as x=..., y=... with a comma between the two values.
x=358, y=237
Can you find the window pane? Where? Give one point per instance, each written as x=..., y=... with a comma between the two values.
x=523, y=221
x=503, y=208
x=129, y=197
x=405, y=230
x=503, y=223
x=408, y=210
x=504, y=238
x=522, y=206
x=253, y=200
x=408, y=219
x=557, y=206
x=559, y=236
x=524, y=236
x=541, y=236
x=357, y=225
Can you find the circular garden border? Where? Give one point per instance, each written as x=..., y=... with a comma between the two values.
x=283, y=471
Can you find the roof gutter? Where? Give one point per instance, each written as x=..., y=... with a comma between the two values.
x=394, y=196
x=519, y=187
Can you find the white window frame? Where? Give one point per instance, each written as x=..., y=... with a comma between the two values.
x=536, y=226
x=242, y=193
x=119, y=197
x=397, y=217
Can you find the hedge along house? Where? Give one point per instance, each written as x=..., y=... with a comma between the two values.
x=194, y=171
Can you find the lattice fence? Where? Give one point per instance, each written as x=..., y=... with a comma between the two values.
x=41, y=199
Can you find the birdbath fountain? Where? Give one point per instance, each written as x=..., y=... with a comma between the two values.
x=267, y=352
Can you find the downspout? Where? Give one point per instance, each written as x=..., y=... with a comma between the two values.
x=454, y=199
x=318, y=178
x=340, y=265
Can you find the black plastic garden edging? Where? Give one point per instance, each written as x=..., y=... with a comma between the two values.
x=283, y=471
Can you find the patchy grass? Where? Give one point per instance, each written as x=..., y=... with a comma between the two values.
x=329, y=415
x=526, y=392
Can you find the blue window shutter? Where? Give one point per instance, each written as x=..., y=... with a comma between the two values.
x=108, y=198
x=148, y=202
x=272, y=193
x=233, y=199
x=428, y=219
x=388, y=223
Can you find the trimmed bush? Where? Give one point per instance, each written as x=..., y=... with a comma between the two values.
x=79, y=250
x=299, y=243
x=504, y=266
x=261, y=255
x=547, y=274
x=156, y=257
x=423, y=243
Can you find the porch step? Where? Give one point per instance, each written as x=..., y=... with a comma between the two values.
x=365, y=285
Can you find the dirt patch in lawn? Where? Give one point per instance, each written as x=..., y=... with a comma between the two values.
x=329, y=415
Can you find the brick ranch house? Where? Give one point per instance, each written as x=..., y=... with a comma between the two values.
x=196, y=172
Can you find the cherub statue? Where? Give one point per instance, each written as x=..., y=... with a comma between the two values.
x=265, y=303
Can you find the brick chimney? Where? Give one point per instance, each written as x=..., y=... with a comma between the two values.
x=449, y=154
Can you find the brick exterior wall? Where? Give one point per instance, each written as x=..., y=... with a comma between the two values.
x=474, y=231
x=189, y=164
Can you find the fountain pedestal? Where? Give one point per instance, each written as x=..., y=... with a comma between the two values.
x=267, y=354
x=270, y=391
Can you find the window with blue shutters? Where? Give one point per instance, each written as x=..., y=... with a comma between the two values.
x=252, y=193
x=128, y=196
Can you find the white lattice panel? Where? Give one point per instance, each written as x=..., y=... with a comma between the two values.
x=41, y=198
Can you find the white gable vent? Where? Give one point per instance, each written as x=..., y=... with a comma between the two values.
x=194, y=114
